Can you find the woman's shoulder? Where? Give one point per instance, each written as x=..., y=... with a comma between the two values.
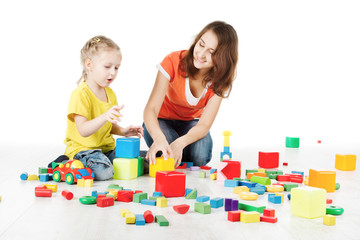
x=177, y=55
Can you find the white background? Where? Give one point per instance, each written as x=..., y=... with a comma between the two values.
x=298, y=70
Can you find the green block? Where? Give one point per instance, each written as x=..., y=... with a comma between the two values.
x=192, y=194
x=289, y=186
x=139, y=196
x=42, y=170
x=154, y=198
x=272, y=176
x=246, y=207
x=202, y=208
x=337, y=186
x=261, y=180
x=115, y=186
x=140, y=166
x=161, y=220
x=292, y=142
x=250, y=171
x=202, y=174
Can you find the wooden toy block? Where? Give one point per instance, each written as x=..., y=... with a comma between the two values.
x=81, y=182
x=231, y=183
x=89, y=183
x=268, y=159
x=228, y=169
x=188, y=164
x=247, y=184
x=202, y=174
x=261, y=180
x=250, y=196
x=192, y=194
x=205, y=168
x=161, y=165
x=234, y=205
x=187, y=191
x=139, y=220
x=228, y=204
x=250, y=217
x=268, y=219
x=115, y=186
x=281, y=195
x=125, y=196
x=274, y=188
x=234, y=216
x=329, y=201
x=308, y=202
x=345, y=162
x=50, y=171
x=247, y=207
x=130, y=218
x=322, y=179
x=124, y=211
x=125, y=168
x=154, y=198
x=161, y=202
x=42, y=192
x=283, y=178
x=194, y=168
x=52, y=187
x=32, y=177
x=289, y=186
x=138, y=191
x=44, y=177
x=113, y=192
x=202, y=208
x=329, y=220
x=139, y=196
x=292, y=142
x=182, y=166
x=140, y=166
x=213, y=176
x=157, y=194
x=148, y=202
x=258, y=190
x=274, y=199
x=334, y=210
x=42, y=170
x=105, y=202
x=181, y=209
x=203, y=199
x=269, y=212
x=24, y=176
x=149, y=217
x=285, y=163
x=161, y=220
x=67, y=194
x=217, y=202
x=258, y=185
x=88, y=200
x=127, y=148
x=213, y=170
x=170, y=184
x=337, y=186
x=240, y=189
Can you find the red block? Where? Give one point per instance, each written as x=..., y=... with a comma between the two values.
x=268, y=159
x=43, y=192
x=328, y=201
x=228, y=169
x=234, y=216
x=170, y=184
x=205, y=167
x=268, y=219
x=182, y=166
x=181, y=209
x=149, y=217
x=67, y=194
x=125, y=196
x=283, y=178
x=105, y=202
x=268, y=212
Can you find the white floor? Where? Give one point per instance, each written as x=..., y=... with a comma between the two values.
x=24, y=216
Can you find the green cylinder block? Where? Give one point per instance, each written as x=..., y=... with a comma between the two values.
x=292, y=142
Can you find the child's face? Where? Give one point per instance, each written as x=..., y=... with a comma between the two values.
x=104, y=66
x=203, y=50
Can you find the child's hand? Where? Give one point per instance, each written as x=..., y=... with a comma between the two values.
x=113, y=114
x=137, y=131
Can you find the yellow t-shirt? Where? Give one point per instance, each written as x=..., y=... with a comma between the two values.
x=84, y=102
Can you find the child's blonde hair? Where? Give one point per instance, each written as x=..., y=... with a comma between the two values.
x=91, y=48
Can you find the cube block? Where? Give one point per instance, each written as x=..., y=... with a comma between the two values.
x=170, y=184
x=329, y=220
x=127, y=148
x=268, y=159
x=345, y=162
x=322, y=179
x=161, y=165
x=125, y=168
x=308, y=202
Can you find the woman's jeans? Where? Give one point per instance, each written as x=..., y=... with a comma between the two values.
x=199, y=152
x=100, y=163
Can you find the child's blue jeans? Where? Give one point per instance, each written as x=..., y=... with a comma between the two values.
x=199, y=152
x=100, y=163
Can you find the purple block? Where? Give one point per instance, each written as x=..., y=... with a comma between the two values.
x=228, y=204
x=235, y=205
x=194, y=168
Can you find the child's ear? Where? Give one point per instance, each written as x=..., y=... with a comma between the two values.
x=88, y=64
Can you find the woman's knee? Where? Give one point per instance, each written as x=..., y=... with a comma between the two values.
x=201, y=151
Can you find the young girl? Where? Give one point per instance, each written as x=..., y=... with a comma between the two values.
x=187, y=94
x=93, y=111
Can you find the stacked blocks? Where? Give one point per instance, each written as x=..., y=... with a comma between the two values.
x=322, y=179
x=308, y=202
x=268, y=159
x=170, y=184
x=228, y=169
x=226, y=151
x=125, y=168
x=127, y=148
x=292, y=142
x=161, y=165
x=345, y=162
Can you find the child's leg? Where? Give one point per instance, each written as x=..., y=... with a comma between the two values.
x=59, y=159
x=98, y=162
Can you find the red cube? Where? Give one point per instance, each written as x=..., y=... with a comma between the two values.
x=170, y=183
x=105, y=202
x=268, y=159
x=234, y=216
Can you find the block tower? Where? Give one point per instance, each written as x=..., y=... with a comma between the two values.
x=226, y=151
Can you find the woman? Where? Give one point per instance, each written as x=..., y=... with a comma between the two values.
x=187, y=94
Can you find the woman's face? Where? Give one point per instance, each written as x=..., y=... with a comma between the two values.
x=204, y=49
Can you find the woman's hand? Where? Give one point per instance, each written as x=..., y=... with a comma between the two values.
x=159, y=145
x=177, y=148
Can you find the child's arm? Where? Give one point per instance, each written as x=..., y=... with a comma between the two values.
x=137, y=131
x=88, y=127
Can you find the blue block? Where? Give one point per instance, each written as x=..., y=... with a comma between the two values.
x=297, y=172
x=258, y=185
x=226, y=149
x=189, y=164
x=247, y=184
x=157, y=194
x=127, y=148
x=289, y=196
x=222, y=154
x=24, y=176
x=258, y=190
x=212, y=170
x=139, y=219
x=103, y=193
x=274, y=199
x=231, y=183
x=187, y=191
x=94, y=193
x=148, y=202
x=202, y=199
x=44, y=177
x=216, y=202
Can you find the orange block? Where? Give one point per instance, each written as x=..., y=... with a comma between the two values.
x=345, y=162
x=260, y=174
x=322, y=179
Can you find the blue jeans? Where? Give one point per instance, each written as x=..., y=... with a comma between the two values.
x=199, y=152
x=100, y=163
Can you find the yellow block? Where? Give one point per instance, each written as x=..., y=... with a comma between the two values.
x=329, y=220
x=227, y=135
x=161, y=165
x=89, y=182
x=240, y=189
x=322, y=179
x=125, y=168
x=250, y=217
x=130, y=218
x=213, y=176
x=274, y=188
x=308, y=202
x=81, y=182
x=33, y=177
x=345, y=162
x=161, y=202
x=280, y=194
x=113, y=192
x=53, y=187
x=124, y=211
x=248, y=196
x=262, y=170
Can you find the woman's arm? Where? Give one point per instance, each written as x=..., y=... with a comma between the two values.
x=198, y=131
x=151, y=113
